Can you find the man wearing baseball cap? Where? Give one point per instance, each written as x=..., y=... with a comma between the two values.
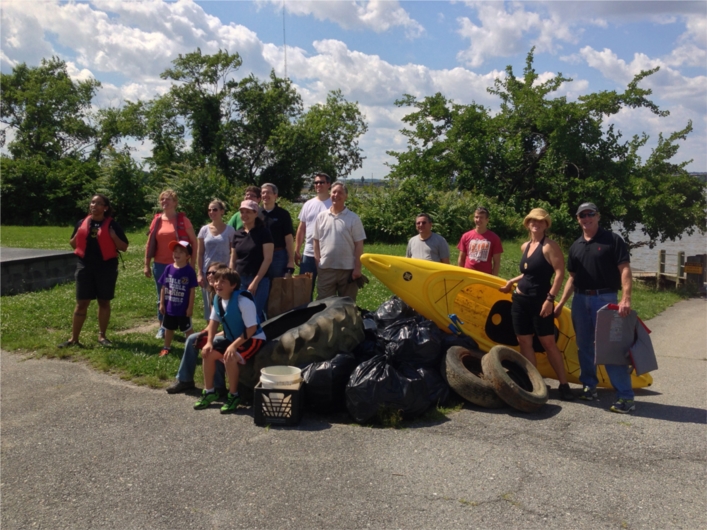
x=599, y=265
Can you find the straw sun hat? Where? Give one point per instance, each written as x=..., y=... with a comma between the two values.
x=539, y=215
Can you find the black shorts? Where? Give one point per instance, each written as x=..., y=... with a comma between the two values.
x=96, y=282
x=526, y=316
x=173, y=323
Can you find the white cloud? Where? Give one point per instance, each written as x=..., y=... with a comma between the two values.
x=502, y=32
x=375, y=15
x=667, y=84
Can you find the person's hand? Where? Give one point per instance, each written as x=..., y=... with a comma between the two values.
x=201, y=280
x=356, y=274
x=190, y=311
x=298, y=258
x=253, y=287
x=206, y=350
x=506, y=288
x=547, y=309
x=558, y=310
x=163, y=309
x=624, y=308
x=147, y=271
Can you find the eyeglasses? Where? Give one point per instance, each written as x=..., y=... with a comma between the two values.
x=210, y=273
x=586, y=214
x=320, y=182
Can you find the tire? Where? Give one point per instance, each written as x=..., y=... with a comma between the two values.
x=514, y=378
x=462, y=370
x=311, y=333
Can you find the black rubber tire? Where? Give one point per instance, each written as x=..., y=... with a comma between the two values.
x=509, y=372
x=312, y=333
x=461, y=368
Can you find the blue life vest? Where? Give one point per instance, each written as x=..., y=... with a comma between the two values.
x=232, y=319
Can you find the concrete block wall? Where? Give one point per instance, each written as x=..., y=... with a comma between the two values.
x=36, y=272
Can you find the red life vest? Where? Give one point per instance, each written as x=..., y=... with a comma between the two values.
x=105, y=242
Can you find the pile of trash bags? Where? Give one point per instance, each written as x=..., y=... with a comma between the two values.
x=395, y=368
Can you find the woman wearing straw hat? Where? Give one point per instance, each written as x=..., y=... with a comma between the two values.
x=534, y=296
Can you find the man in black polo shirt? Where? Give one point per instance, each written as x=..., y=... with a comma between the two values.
x=599, y=266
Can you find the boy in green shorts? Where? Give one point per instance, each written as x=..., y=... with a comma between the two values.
x=241, y=338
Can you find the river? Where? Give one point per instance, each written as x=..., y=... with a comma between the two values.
x=646, y=259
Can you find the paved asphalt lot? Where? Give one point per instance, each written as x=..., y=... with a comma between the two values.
x=82, y=449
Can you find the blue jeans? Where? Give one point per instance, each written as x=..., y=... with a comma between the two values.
x=157, y=271
x=278, y=265
x=261, y=295
x=584, y=319
x=188, y=365
x=309, y=265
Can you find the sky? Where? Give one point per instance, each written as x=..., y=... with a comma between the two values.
x=376, y=51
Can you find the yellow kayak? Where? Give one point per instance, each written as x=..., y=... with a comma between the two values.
x=470, y=302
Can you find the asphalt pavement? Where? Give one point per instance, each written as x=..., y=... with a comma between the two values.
x=81, y=449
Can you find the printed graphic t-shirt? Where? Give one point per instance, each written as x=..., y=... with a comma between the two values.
x=480, y=249
x=178, y=283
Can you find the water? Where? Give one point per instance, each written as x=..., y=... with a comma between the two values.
x=646, y=259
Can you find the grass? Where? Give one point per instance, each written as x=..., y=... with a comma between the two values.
x=36, y=323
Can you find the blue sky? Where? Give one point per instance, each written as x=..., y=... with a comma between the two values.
x=375, y=51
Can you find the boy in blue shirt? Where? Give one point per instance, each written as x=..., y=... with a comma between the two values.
x=241, y=338
x=177, y=295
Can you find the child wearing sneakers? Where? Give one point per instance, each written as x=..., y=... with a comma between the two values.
x=177, y=294
x=241, y=339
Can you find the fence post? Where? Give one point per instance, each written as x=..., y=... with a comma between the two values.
x=681, y=267
x=661, y=262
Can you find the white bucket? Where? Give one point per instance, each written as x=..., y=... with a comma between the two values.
x=283, y=377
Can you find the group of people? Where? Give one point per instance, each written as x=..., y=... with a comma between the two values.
x=236, y=262
x=599, y=267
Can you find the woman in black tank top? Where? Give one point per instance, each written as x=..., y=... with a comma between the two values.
x=533, y=299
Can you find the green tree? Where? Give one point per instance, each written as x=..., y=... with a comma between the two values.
x=546, y=150
x=53, y=146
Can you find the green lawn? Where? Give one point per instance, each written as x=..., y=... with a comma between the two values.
x=37, y=322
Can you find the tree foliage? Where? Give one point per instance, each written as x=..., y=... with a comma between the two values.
x=546, y=150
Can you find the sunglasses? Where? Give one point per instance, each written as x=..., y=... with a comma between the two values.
x=320, y=182
x=210, y=273
x=586, y=214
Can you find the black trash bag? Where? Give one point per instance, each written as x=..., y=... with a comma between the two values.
x=368, y=349
x=416, y=341
x=391, y=310
x=325, y=383
x=376, y=386
x=437, y=388
x=464, y=341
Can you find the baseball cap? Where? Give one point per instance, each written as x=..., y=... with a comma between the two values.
x=184, y=244
x=587, y=206
x=249, y=205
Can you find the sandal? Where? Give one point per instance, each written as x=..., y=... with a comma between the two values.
x=69, y=344
x=105, y=342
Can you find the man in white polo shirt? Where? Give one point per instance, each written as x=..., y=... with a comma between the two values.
x=338, y=244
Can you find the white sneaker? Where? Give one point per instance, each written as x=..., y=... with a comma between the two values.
x=160, y=333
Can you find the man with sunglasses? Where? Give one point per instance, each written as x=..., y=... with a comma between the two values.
x=599, y=265
x=308, y=214
x=427, y=245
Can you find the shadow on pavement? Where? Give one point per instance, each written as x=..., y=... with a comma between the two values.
x=674, y=413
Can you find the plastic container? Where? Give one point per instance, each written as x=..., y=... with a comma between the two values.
x=276, y=406
x=281, y=377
